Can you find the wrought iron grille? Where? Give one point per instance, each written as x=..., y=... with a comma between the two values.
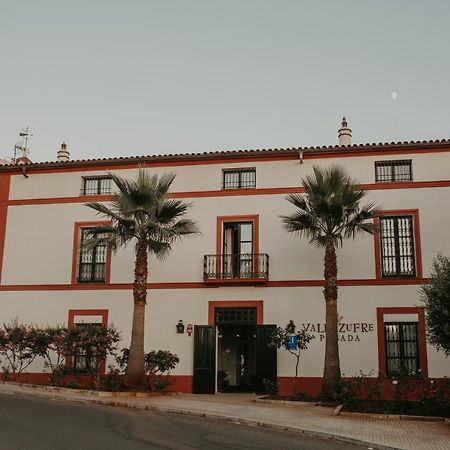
x=390, y=171
x=96, y=185
x=236, y=266
x=92, y=263
x=397, y=246
x=239, y=179
x=85, y=359
x=235, y=316
x=402, y=348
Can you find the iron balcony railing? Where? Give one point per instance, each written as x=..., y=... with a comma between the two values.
x=235, y=266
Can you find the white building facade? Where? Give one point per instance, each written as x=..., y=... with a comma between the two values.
x=244, y=274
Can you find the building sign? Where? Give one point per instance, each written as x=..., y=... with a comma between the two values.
x=292, y=342
x=347, y=332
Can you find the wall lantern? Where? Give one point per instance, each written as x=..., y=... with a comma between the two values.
x=180, y=327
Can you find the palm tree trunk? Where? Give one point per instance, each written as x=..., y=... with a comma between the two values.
x=135, y=372
x=331, y=369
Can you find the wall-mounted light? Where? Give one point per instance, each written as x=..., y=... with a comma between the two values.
x=180, y=327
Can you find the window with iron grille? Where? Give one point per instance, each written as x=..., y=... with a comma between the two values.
x=85, y=359
x=92, y=262
x=239, y=179
x=397, y=246
x=96, y=185
x=235, y=316
x=390, y=171
x=402, y=348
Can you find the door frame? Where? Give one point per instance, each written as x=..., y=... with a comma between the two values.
x=213, y=304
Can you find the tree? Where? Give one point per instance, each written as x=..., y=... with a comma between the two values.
x=141, y=212
x=293, y=342
x=436, y=298
x=328, y=212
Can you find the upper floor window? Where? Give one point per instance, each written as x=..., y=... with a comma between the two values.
x=92, y=263
x=397, y=246
x=239, y=179
x=96, y=185
x=402, y=348
x=390, y=171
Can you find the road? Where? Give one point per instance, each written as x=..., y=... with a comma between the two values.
x=28, y=423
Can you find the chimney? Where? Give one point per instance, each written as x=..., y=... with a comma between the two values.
x=344, y=133
x=63, y=155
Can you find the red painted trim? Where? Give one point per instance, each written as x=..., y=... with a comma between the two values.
x=103, y=313
x=207, y=285
x=258, y=304
x=229, y=192
x=417, y=243
x=423, y=359
x=76, y=250
x=180, y=383
x=5, y=182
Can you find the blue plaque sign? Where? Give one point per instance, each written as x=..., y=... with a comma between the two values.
x=292, y=342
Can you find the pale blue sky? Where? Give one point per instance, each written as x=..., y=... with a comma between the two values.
x=116, y=78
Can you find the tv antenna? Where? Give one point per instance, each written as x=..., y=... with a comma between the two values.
x=21, y=149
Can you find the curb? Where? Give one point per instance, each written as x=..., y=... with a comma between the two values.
x=58, y=395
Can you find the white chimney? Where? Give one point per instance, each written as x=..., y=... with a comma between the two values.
x=63, y=154
x=344, y=133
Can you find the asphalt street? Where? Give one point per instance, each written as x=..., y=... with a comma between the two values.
x=40, y=424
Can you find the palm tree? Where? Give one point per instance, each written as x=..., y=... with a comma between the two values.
x=326, y=213
x=141, y=212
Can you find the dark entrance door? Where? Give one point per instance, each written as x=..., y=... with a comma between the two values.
x=265, y=358
x=204, y=359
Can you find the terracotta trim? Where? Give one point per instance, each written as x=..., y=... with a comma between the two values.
x=417, y=243
x=258, y=304
x=103, y=313
x=75, y=252
x=423, y=359
x=229, y=192
x=5, y=183
x=206, y=285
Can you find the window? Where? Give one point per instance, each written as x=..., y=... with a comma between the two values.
x=85, y=359
x=390, y=171
x=96, y=185
x=239, y=179
x=237, y=252
x=397, y=246
x=402, y=348
x=92, y=262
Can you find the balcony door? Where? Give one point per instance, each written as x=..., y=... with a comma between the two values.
x=237, y=250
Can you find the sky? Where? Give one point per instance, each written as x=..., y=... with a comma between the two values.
x=122, y=78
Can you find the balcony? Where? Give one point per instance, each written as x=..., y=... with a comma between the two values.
x=246, y=268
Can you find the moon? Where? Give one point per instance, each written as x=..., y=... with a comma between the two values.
x=394, y=95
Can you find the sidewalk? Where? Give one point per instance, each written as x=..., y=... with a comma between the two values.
x=379, y=433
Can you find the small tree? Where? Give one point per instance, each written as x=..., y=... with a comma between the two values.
x=97, y=342
x=436, y=298
x=20, y=345
x=158, y=364
x=58, y=348
x=294, y=342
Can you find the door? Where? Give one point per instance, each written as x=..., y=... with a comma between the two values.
x=238, y=249
x=265, y=357
x=204, y=359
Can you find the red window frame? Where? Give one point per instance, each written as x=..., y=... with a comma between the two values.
x=76, y=252
x=417, y=245
x=423, y=360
